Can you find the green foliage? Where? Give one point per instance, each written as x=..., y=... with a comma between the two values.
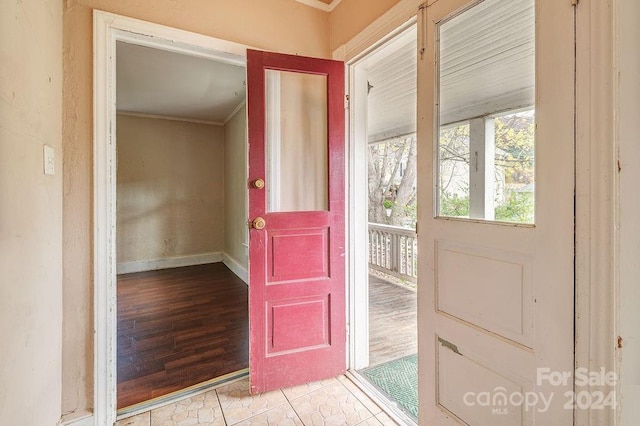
x=411, y=214
x=515, y=147
x=388, y=204
x=454, y=205
x=518, y=208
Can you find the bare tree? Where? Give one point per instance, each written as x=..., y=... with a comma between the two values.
x=392, y=181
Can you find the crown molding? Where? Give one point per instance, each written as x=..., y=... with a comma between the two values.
x=317, y=4
x=169, y=117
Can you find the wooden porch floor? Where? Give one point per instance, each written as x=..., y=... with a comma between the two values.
x=392, y=321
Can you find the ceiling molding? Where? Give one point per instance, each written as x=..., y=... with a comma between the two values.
x=317, y=4
x=169, y=117
x=234, y=112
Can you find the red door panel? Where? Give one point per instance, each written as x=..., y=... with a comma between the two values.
x=297, y=255
x=297, y=261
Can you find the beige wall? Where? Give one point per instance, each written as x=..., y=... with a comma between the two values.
x=280, y=25
x=352, y=16
x=30, y=212
x=170, y=188
x=235, y=187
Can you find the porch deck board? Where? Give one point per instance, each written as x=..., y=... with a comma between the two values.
x=392, y=321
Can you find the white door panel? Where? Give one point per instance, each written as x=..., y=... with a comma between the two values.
x=496, y=300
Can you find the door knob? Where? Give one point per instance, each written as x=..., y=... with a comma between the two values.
x=257, y=223
x=258, y=183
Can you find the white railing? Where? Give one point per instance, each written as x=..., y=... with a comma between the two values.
x=394, y=250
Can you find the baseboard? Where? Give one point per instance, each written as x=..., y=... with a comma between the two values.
x=170, y=262
x=236, y=268
x=84, y=418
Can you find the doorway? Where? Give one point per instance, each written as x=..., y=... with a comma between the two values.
x=384, y=280
x=110, y=29
x=181, y=239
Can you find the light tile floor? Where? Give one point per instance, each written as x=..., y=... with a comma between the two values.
x=334, y=401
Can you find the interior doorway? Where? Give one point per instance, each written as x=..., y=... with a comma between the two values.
x=181, y=237
x=384, y=289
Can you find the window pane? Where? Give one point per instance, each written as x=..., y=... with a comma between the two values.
x=486, y=97
x=296, y=115
x=454, y=171
x=514, y=167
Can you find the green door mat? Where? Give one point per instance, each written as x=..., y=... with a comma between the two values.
x=399, y=380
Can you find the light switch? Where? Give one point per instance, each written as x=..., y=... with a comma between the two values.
x=49, y=160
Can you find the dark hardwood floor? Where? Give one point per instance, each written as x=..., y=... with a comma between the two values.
x=177, y=328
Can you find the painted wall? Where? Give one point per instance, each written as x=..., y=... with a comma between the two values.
x=628, y=108
x=235, y=188
x=352, y=16
x=280, y=25
x=170, y=189
x=30, y=212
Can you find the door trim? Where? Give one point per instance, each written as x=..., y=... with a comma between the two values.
x=108, y=29
x=356, y=87
x=597, y=256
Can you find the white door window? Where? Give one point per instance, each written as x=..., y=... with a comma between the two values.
x=496, y=212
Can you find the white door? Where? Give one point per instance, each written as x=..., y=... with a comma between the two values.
x=496, y=212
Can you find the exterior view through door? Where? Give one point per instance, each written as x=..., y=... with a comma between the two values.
x=496, y=290
x=296, y=218
x=383, y=158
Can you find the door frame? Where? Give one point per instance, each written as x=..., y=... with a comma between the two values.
x=596, y=182
x=358, y=200
x=108, y=29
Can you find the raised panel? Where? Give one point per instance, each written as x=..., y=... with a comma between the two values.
x=477, y=392
x=298, y=324
x=489, y=288
x=298, y=254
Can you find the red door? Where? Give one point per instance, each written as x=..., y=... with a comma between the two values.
x=297, y=223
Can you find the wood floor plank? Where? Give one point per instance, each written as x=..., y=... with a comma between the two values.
x=177, y=328
x=392, y=321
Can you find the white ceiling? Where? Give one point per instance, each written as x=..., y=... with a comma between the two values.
x=157, y=82
x=391, y=73
x=487, y=58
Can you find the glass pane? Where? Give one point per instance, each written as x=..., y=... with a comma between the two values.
x=296, y=145
x=486, y=96
x=514, y=161
x=454, y=170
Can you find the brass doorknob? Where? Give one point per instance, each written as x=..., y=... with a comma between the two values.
x=258, y=223
x=258, y=183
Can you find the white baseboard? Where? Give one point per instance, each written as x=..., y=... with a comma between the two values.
x=170, y=262
x=236, y=268
x=78, y=419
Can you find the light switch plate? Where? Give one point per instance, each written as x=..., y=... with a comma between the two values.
x=49, y=160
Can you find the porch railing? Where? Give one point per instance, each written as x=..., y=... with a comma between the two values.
x=394, y=251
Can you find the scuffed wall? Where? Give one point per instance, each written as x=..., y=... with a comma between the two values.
x=235, y=187
x=170, y=189
x=278, y=25
x=30, y=212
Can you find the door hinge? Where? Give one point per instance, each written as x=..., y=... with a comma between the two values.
x=575, y=2
x=346, y=102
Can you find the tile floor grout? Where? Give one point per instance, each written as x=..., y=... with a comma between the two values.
x=338, y=404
